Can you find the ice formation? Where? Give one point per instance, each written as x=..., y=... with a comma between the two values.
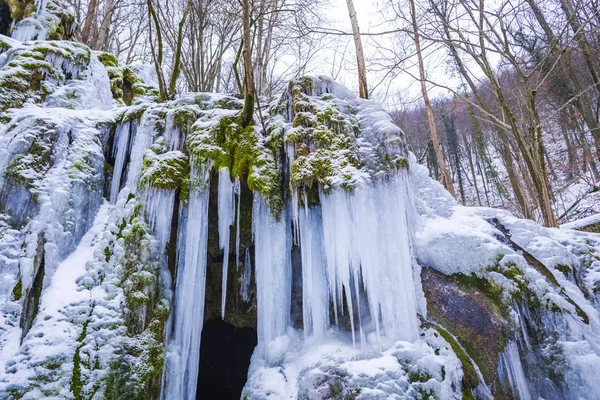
x=226, y=216
x=183, y=347
x=108, y=239
x=273, y=278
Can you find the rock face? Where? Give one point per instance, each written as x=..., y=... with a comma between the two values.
x=353, y=273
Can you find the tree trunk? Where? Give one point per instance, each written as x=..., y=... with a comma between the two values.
x=177, y=61
x=360, y=58
x=582, y=42
x=247, y=115
x=156, y=55
x=454, y=150
x=89, y=19
x=583, y=103
x=445, y=175
x=522, y=200
x=101, y=41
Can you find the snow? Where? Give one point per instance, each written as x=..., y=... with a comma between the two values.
x=323, y=367
x=53, y=333
x=580, y=223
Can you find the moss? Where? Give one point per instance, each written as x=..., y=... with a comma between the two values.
x=402, y=162
x=228, y=145
x=126, y=86
x=335, y=158
x=77, y=384
x=135, y=372
x=470, y=315
x=169, y=171
x=470, y=377
x=20, y=9
x=565, y=269
x=24, y=77
x=228, y=103
x=107, y=59
x=488, y=288
x=27, y=169
x=17, y=290
x=184, y=117
x=132, y=114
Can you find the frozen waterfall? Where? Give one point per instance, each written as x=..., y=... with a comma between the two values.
x=273, y=266
x=181, y=372
x=226, y=214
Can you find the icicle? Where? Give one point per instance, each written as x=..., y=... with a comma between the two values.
x=158, y=204
x=120, y=149
x=247, y=277
x=140, y=143
x=367, y=244
x=237, y=189
x=226, y=215
x=173, y=132
x=315, y=295
x=184, y=345
x=510, y=364
x=272, y=243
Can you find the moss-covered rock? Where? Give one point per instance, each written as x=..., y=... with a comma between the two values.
x=244, y=152
x=126, y=86
x=33, y=71
x=20, y=9
x=468, y=310
x=169, y=171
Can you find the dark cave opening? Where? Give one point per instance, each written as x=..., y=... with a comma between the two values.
x=225, y=353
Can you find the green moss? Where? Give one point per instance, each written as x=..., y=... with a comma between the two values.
x=24, y=77
x=20, y=9
x=126, y=86
x=135, y=372
x=228, y=145
x=565, y=269
x=132, y=114
x=107, y=59
x=335, y=159
x=17, y=290
x=76, y=381
x=488, y=288
x=184, y=117
x=169, y=171
x=228, y=103
x=470, y=377
x=27, y=169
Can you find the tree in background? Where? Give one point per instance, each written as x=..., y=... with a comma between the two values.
x=360, y=57
x=445, y=175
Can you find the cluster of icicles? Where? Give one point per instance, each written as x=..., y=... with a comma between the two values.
x=355, y=250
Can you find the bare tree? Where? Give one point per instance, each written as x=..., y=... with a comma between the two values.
x=360, y=58
x=445, y=175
